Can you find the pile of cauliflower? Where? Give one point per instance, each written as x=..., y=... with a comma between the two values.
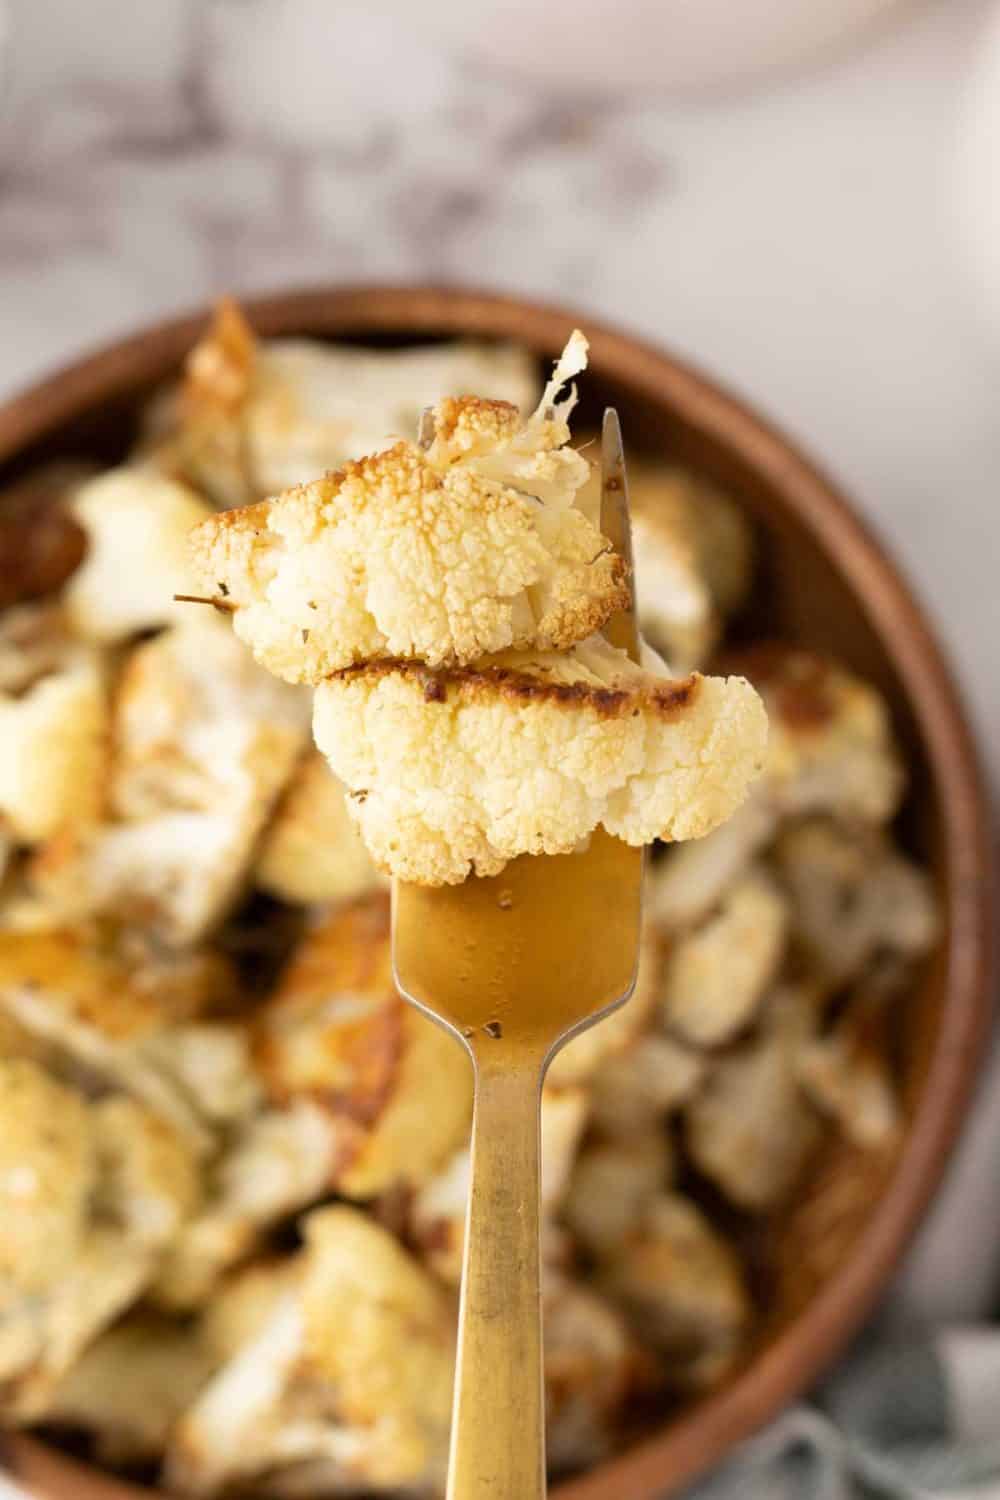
x=445, y=599
x=231, y=1208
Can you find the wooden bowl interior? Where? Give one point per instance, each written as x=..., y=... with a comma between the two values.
x=821, y=582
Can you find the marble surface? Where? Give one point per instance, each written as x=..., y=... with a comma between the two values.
x=799, y=242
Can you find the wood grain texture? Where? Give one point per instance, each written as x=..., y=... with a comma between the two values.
x=826, y=581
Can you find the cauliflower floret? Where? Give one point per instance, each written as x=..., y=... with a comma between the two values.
x=150, y=1178
x=470, y=545
x=107, y=1014
x=129, y=1388
x=337, y=1031
x=830, y=750
x=750, y=1128
x=48, y=1169
x=853, y=898
x=243, y=1301
x=683, y=1288
x=275, y=1164
x=831, y=747
x=847, y=1073
x=591, y=1362
x=137, y=524
x=715, y=976
x=43, y=1336
x=612, y=1186
x=351, y=1372
x=686, y=886
x=253, y=419
x=203, y=744
x=312, y=851
x=211, y=1063
x=462, y=770
x=53, y=725
x=95, y=1192
x=642, y=1085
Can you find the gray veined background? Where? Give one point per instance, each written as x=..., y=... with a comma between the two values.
x=800, y=241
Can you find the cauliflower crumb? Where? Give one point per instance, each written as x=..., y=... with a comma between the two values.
x=462, y=770
x=471, y=545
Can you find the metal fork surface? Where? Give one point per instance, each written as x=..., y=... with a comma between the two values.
x=515, y=965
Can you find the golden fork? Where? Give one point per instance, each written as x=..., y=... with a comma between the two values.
x=514, y=966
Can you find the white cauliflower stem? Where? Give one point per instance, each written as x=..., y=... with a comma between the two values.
x=463, y=770
x=471, y=545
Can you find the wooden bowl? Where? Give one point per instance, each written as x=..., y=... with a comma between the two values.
x=825, y=582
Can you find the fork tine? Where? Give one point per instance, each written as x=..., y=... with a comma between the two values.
x=425, y=428
x=621, y=630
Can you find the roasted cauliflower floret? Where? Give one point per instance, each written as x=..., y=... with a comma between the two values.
x=683, y=1288
x=131, y=1385
x=95, y=1193
x=591, y=1363
x=396, y=1088
x=462, y=770
x=150, y=1178
x=43, y=1335
x=137, y=524
x=611, y=1187
x=48, y=1170
x=686, y=886
x=847, y=1071
x=853, y=897
x=750, y=1128
x=831, y=751
x=639, y=1087
x=470, y=545
x=254, y=418
x=243, y=1301
x=715, y=976
x=122, y=1018
x=53, y=724
x=312, y=851
x=831, y=747
x=203, y=744
x=352, y=1371
x=275, y=1164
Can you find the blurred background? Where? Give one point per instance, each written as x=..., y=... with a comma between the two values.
x=799, y=195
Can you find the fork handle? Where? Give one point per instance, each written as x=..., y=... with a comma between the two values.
x=498, y=1422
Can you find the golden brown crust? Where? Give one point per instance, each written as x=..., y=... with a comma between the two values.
x=501, y=418
x=486, y=683
x=220, y=367
x=348, y=955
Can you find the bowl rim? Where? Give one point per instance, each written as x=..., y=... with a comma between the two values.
x=697, y=1438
